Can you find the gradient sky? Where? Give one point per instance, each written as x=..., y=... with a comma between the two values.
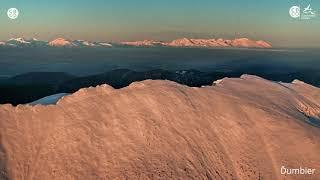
x=119, y=20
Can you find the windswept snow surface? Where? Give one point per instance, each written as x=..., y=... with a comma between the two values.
x=243, y=128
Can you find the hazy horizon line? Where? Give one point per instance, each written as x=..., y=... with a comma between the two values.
x=142, y=39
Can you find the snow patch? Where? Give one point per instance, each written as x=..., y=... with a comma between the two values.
x=49, y=100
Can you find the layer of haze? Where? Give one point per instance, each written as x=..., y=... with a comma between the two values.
x=119, y=20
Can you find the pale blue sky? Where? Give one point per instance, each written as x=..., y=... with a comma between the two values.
x=118, y=20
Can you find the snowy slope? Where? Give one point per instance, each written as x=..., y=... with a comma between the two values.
x=241, y=128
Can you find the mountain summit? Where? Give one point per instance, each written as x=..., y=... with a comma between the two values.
x=18, y=40
x=240, y=128
x=59, y=42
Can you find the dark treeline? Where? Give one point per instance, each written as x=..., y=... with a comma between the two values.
x=29, y=87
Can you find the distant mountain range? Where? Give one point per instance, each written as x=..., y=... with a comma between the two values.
x=59, y=42
x=184, y=42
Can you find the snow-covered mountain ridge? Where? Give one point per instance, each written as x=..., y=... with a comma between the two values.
x=184, y=42
x=239, y=128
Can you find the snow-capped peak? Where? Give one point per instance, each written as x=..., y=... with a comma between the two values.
x=84, y=43
x=60, y=42
x=19, y=40
x=105, y=44
x=34, y=39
